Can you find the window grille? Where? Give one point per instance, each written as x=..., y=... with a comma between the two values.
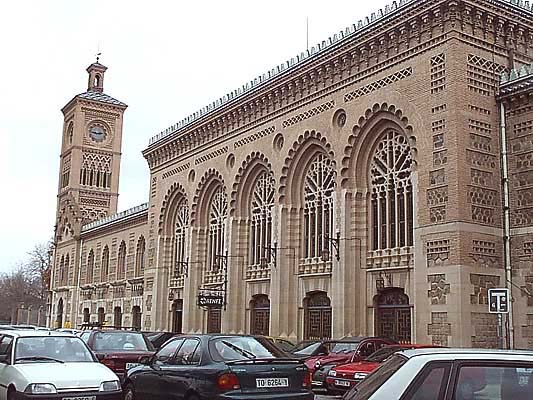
x=90, y=267
x=105, y=265
x=261, y=218
x=139, y=257
x=121, y=266
x=217, y=229
x=181, y=230
x=392, y=193
x=319, y=205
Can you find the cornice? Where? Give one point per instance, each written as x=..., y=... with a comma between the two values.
x=356, y=54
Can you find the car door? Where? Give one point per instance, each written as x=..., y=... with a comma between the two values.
x=6, y=345
x=150, y=382
x=180, y=373
x=430, y=383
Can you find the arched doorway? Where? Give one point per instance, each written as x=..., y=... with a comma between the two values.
x=214, y=319
x=136, y=317
x=101, y=315
x=393, y=315
x=86, y=315
x=117, y=317
x=59, y=320
x=177, y=315
x=317, y=318
x=260, y=318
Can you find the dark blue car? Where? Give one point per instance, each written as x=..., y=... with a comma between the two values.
x=217, y=367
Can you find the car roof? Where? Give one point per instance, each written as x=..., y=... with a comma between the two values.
x=34, y=333
x=451, y=353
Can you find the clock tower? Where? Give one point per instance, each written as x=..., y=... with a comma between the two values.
x=90, y=156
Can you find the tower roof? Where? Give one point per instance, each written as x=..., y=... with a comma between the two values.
x=102, y=97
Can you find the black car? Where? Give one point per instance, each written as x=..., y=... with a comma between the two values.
x=158, y=339
x=219, y=367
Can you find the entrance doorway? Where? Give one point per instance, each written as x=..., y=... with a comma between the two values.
x=136, y=317
x=214, y=319
x=177, y=315
x=393, y=315
x=86, y=315
x=260, y=318
x=59, y=320
x=101, y=315
x=317, y=320
x=117, y=319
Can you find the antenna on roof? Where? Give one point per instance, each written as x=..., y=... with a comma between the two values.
x=307, y=33
x=98, y=53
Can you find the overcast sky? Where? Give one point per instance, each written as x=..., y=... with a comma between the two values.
x=166, y=59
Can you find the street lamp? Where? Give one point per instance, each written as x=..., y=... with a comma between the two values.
x=335, y=242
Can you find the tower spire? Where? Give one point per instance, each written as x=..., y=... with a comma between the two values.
x=96, y=76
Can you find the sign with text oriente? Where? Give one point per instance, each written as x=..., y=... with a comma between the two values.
x=210, y=300
x=499, y=300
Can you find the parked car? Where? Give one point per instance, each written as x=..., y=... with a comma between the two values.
x=342, y=377
x=341, y=351
x=309, y=348
x=284, y=344
x=69, y=330
x=49, y=365
x=158, y=339
x=459, y=374
x=7, y=328
x=217, y=367
x=120, y=350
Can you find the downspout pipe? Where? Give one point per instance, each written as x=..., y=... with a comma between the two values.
x=78, y=285
x=506, y=222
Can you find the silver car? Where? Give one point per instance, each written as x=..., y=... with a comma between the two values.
x=450, y=374
x=52, y=365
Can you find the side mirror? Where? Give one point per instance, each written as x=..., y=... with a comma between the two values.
x=146, y=360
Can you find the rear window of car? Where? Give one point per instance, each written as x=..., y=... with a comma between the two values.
x=305, y=348
x=236, y=348
x=344, y=347
x=120, y=341
x=370, y=384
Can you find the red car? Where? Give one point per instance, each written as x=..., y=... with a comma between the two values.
x=340, y=352
x=119, y=350
x=342, y=377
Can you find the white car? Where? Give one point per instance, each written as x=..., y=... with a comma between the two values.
x=52, y=365
x=450, y=374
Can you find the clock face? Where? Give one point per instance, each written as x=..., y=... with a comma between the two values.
x=97, y=133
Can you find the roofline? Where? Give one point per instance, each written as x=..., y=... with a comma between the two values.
x=122, y=106
x=110, y=220
x=299, y=61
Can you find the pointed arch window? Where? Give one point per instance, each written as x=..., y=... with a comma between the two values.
x=90, y=267
x=217, y=228
x=61, y=271
x=319, y=205
x=261, y=217
x=121, y=265
x=105, y=265
x=181, y=234
x=140, y=256
x=64, y=275
x=392, y=193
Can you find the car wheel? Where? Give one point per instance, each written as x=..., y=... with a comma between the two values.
x=129, y=392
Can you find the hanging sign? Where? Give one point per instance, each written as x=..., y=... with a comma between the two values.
x=210, y=300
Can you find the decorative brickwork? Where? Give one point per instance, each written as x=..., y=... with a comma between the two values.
x=437, y=252
x=308, y=114
x=379, y=84
x=481, y=285
x=438, y=73
x=483, y=75
x=485, y=255
x=177, y=170
x=253, y=137
x=527, y=290
x=439, y=329
x=485, y=326
x=438, y=288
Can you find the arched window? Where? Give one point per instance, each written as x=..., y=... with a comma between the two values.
x=392, y=193
x=97, y=80
x=261, y=217
x=61, y=271
x=318, y=209
x=139, y=257
x=70, y=132
x=66, y=268
x=104, y=272
x=117, y=317
x=90, y=267
x=217, y=228
x=121, y=264
x=181, y=230
x=136, y=317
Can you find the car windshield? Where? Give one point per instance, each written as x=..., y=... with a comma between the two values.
x=382, y=354
x=120, y=341
x=370, y=384
x=59, y=349
x=235, y=348
x=305, y=348
x=344, y=347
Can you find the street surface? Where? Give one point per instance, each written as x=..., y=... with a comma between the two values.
x=322, y=397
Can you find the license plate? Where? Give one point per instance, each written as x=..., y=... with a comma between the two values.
x=132, y=365
x=80, y=398
x=342, y=383
x=272, y=382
